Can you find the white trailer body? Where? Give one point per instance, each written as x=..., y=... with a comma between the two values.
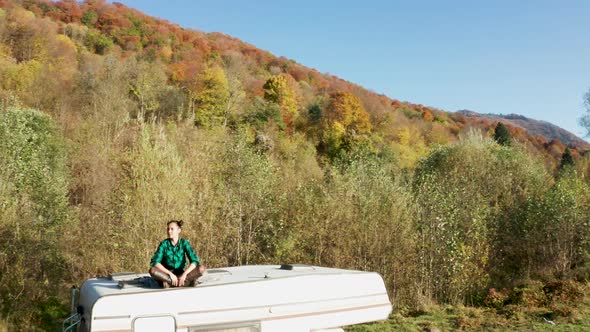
x=239, y=299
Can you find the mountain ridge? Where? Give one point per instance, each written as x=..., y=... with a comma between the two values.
x=534, y=126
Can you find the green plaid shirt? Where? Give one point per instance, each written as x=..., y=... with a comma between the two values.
x=172, y=256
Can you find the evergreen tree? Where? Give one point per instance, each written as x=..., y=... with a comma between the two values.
x=502, y=135
x=566, y=159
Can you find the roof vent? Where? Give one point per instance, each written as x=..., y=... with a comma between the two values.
x=219, y=272
x=124, y=276
x=297, y=267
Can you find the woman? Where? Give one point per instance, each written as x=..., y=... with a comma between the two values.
x=168, y=265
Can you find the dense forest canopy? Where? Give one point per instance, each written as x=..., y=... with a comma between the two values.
x=177, y=74
x=112, y=122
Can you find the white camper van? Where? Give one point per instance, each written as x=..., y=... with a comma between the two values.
x=237, y=299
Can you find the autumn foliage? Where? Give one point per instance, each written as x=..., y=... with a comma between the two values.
x=345, y=121
x=281, y=90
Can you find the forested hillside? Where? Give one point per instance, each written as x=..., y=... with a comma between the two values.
x=113, y=122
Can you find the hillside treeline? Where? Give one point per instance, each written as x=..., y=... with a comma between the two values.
x=100, y=145
x=171, y=73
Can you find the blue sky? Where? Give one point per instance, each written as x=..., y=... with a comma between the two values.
x=529, y=57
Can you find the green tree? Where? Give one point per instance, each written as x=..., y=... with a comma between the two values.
x=33, y=160
x=250, y=209
x=558, y=241
x=34, y=216
x=364, y=219
x=464, y=192
x=89, y=18
x=212, y=99
x=261, y=112
x=566, y=159
x=502, y=135
x=97, y=42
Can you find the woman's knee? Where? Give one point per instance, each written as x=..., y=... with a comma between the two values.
x=153, y=270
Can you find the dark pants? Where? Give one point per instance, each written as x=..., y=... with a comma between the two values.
x=161, y=277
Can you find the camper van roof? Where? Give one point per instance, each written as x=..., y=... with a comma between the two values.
x=122, y=283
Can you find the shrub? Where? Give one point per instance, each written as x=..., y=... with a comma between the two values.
x=464, y=192
x=530, y=294
x=34, y=214
x=496, y=299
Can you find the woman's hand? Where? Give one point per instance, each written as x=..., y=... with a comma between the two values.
x=181, y=280
x=174, y=279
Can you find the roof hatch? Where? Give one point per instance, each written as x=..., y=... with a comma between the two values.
x=297, y=267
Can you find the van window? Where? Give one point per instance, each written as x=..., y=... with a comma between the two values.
x=159, y=323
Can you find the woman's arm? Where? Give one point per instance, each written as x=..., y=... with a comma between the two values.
x=192, y=256
x=193, y=259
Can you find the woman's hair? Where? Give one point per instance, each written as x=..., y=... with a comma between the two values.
x=178, y=222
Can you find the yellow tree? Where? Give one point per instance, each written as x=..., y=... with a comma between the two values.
x=280, y=89
x=344, y=123
x=212, y=98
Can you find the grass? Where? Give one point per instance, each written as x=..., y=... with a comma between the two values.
x=565, y=309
